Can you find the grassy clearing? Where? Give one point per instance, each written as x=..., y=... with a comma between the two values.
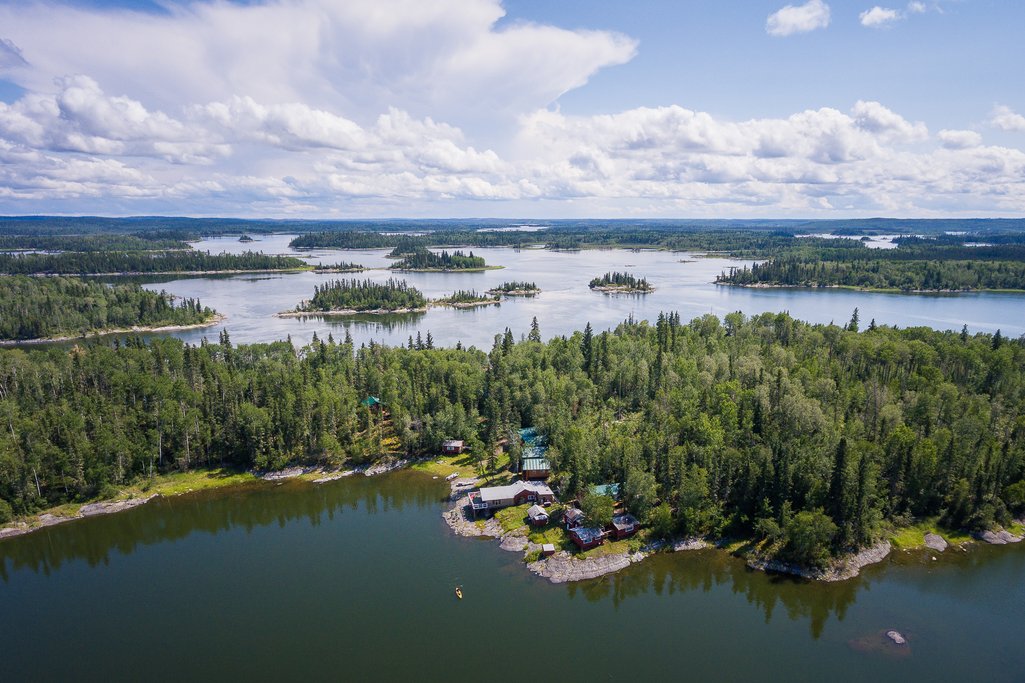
x=184, y=482
x=913, y=537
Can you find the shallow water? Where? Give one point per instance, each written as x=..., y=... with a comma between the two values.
x=683, y=282
x=353, y=580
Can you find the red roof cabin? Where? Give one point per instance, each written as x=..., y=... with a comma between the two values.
x=452, y=447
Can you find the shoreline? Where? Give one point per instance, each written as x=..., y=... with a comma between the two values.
x=464, y=304
x=565, y=567
x=216, y=319
x=163, y=273
x=877, y=290
x=445, y=270
x=562, y=567
x=348, y=311
x=514, y=292
x=612, y=289
x=203, y=480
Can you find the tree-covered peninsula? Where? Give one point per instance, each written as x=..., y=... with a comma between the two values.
x=39, y=308
x=136, y=262
x=363, y=296
x=881, y=274
x=809, y=439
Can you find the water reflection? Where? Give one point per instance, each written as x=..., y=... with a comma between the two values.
x=706, y=570
x=247, y=507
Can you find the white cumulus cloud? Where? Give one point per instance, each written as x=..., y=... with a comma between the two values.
x=959, y=139
x=792, y=19
x=879, y=17
x=1007, y=119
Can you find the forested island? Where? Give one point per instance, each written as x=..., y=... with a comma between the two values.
x=42, y=308
x=462, y=298
x=340, y=267
x=620, y=283
x=346, y=297
x=516, y=288
x=424, y=260
x=809, y=440
x=135, y=262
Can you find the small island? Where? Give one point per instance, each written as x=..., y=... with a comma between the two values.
x=516, y=289
x=620, y=283
x=342, y=267
x=246, y=238
x=467, y=299
x=351, y=297
x=422, y=260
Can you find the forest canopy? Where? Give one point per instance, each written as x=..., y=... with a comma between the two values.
x=814, y=437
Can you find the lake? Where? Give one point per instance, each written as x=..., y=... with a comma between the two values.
x=353, y=580
x=683, y=282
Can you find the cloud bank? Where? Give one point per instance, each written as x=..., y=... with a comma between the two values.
x=375, y=109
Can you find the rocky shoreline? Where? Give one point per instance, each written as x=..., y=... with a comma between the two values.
x=563, y=567
x=348, y=311
x=49, y=519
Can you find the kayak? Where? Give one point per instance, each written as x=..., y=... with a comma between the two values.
x=459, y=593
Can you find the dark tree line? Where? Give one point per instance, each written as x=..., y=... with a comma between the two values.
x=364, y=295
x=814, y=437
x=33, y=308
x=97, y=242
x=120, y=262
x=908, y=275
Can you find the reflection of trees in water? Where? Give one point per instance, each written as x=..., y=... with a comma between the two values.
x=385, y=322
x=705, y=570
x=248, y=507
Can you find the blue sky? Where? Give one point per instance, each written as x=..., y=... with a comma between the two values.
x=518, y=108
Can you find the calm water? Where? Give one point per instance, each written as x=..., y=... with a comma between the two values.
x=353, y=580
x=565, y=305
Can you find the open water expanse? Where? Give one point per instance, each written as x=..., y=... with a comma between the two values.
x=353, y=580
x=683, y=282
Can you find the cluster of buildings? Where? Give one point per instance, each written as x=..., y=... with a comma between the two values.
x=534, y=469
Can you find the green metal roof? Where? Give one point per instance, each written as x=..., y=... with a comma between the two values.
x=610, y=490
x=371, y=401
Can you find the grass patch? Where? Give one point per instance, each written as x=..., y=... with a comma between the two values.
x=626, y=545
x=182, y=482
x=913, y=537
x=512, y=518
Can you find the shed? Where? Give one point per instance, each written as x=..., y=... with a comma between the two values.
x=547, y=550
x=538, y=515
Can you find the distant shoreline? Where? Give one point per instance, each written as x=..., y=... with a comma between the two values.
x=349, y=311
x=878, y=290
